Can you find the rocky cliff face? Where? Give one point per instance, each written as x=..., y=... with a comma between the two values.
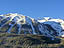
x=20, y=24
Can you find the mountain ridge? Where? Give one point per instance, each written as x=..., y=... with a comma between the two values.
x=20, y=24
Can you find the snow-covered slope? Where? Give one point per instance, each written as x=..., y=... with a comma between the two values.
x=20, y=24
x=56, y=24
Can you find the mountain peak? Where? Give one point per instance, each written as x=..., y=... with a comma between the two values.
x=18, y=23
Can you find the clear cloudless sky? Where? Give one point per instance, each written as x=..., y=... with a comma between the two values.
x=34, y=8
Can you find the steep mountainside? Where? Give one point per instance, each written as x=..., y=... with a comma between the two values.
x=20, y=24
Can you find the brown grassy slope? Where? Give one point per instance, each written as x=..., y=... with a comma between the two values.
x=34, y=41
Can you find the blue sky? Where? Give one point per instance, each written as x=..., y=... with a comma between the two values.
x=34, y=8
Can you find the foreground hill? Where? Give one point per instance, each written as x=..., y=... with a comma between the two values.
x=29, y=41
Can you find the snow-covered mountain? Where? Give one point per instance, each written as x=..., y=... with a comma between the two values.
x=20, y=24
